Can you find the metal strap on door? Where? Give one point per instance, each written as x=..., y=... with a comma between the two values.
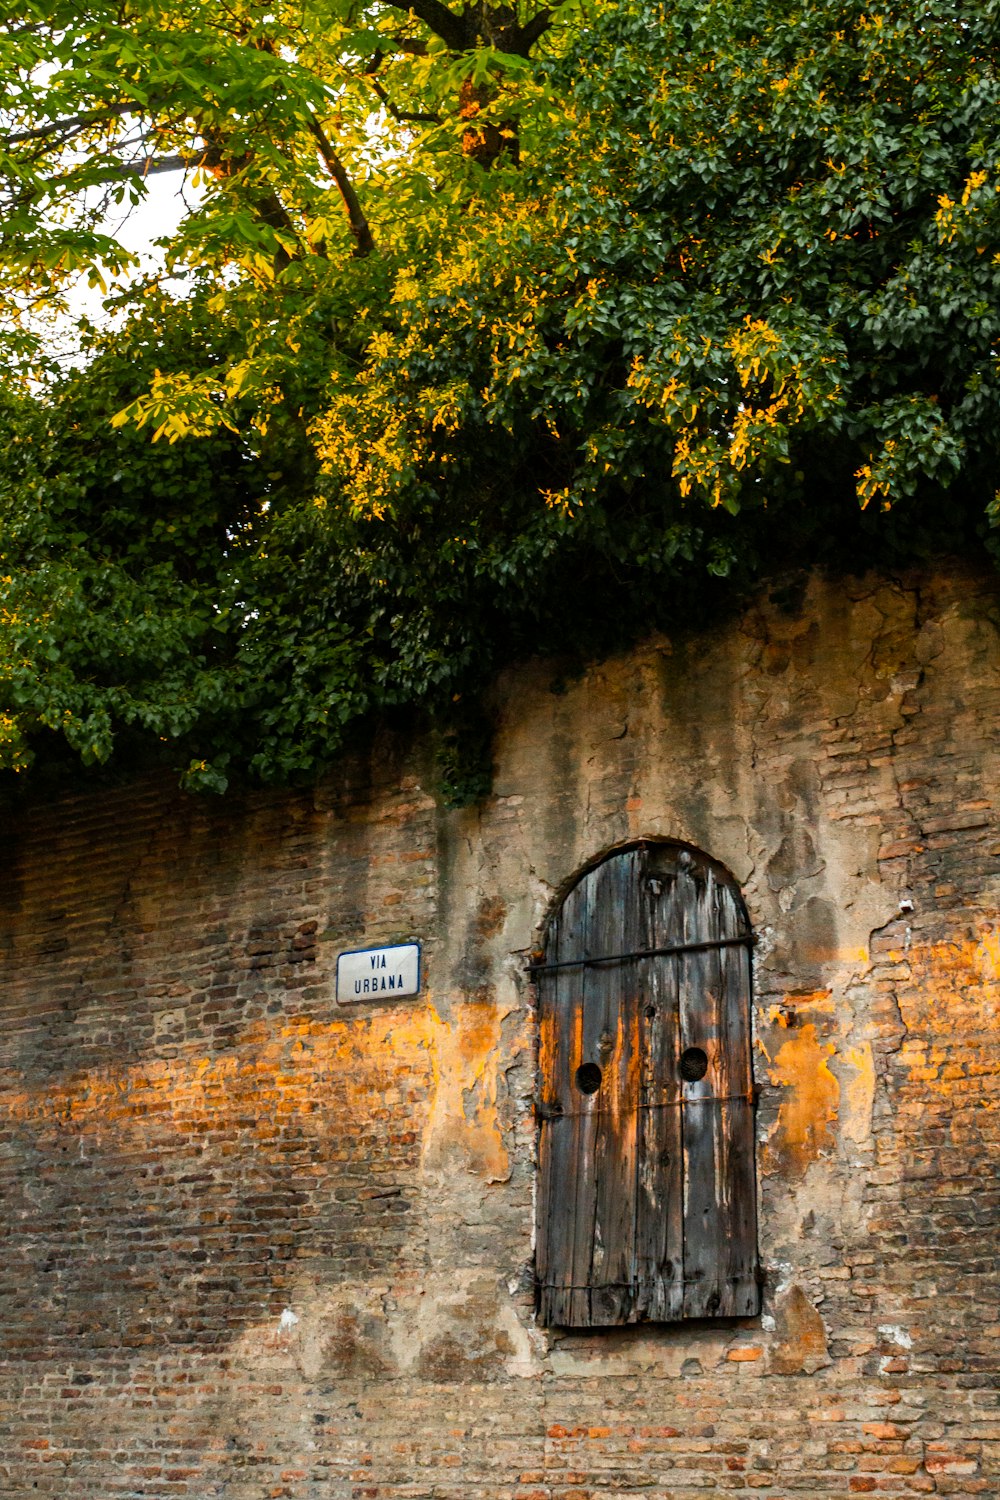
x=746, y=940
x=545, y=1111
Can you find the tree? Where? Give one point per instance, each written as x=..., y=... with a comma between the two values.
x=643, y=308
x=276, y=110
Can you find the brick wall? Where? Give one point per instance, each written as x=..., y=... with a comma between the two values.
x=258, y=1245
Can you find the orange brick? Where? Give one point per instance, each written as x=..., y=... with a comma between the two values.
x=884, y=1430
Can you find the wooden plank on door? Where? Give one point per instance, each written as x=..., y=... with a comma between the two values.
x=660, y=1224
x=739, y=1261
x=714, y=1021
x=698, y=1039
x=611, y=1041
x=560, y=1004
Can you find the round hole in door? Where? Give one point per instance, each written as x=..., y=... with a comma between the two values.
x=693, y=1064
x=588, y=1078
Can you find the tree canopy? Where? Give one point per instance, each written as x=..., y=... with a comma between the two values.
x=491, y=330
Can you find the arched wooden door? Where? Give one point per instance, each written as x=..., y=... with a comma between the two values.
x=647, y=1200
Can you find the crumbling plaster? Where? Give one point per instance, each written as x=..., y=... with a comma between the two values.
x=746, y=744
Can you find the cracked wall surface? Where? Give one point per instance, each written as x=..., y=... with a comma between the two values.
x=257, y=1244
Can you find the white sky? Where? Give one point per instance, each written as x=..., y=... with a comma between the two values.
x=156, y=216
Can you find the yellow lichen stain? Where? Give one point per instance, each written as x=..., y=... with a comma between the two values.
x=808, y=1109
x=795, y=1005
x=988, y=954
x=463, y=1115
x=419, y=1074
x=859, y=1094
x=950, y=1009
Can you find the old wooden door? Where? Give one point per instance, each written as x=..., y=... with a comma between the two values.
x=647, y=1202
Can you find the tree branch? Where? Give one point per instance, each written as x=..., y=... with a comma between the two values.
x=364, y=242
x=462, y=32
x=532, y=30
x=70, y=123
x=153, y=166
x=453, y=30
x=401, y=116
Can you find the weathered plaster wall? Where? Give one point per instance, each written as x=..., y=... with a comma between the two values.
x=257, y=1245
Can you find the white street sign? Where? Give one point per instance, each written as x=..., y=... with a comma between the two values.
x=378, y=973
